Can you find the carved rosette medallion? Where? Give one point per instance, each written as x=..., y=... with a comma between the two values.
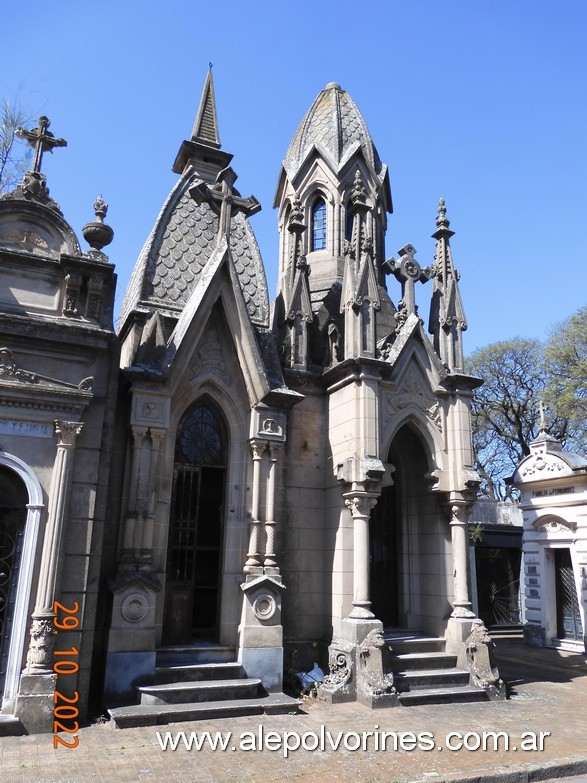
x=264, y=607
x=134, y=608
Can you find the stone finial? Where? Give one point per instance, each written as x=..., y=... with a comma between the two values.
x=358, y=192
x=441, y=219
x=543, y=423
x=97, y=233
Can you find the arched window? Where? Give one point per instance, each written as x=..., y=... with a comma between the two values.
x=194, y=553
x=350, y=219
x=13, y=512
x=319, y=225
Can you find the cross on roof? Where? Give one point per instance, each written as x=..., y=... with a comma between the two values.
x=227, y=198
x=407, y=270
x=41, y=140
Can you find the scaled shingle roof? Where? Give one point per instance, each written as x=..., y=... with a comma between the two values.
x=177, y=250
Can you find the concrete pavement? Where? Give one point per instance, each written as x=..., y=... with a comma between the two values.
x=548, y=695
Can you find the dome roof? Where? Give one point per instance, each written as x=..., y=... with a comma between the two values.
x=336, y=128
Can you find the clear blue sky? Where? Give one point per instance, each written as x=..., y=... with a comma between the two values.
x=481, y=103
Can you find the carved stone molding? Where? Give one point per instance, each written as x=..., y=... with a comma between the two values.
x=411, y=393
x=210, y=359
x=540, y=465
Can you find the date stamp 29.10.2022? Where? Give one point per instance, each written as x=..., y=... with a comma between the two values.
x=65, y=711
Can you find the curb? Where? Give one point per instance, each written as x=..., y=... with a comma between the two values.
x=564, y=768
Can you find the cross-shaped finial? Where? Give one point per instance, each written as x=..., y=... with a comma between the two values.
x=41, y=140
x=227, y=200
x=408, y=271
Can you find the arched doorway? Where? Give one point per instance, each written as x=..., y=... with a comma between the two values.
x=13, y=515
x=400, y=523
x=194, y=550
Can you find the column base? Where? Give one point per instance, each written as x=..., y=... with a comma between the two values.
x=34, y=703
x=357, y=667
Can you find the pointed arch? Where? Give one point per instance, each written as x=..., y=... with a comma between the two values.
x=318, y=224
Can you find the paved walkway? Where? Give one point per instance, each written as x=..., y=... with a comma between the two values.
x=548, y=694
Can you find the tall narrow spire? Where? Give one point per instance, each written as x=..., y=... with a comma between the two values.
x=202, y=152
x=447, y=315
x=205, y=128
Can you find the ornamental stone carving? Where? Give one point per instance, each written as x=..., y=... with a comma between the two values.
x=411, y=394
x=481, y=662
x=540, y=464
x=371, y=676
x=210, y=360
x=264, y=607
x=340, y=670
x=135, y=607
x=40, y=652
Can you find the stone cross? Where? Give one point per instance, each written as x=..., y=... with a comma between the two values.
x=408, y=271
x=227, y=198
x=41, y=140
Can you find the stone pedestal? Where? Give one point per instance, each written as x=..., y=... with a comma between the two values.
x=357, y=667
x=458, y=631
x=34, y=704
x=261, y=632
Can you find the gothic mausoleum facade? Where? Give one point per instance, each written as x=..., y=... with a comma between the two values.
x=229, y=487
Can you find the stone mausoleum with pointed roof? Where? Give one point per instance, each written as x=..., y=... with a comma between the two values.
x=230, y=488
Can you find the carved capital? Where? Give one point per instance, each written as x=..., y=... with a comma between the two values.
x=257, y=449
x=360, y=505
x=138, y=435
x=67, y=432
x=459, y=514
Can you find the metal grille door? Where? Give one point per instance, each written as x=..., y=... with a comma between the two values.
x=567, y=606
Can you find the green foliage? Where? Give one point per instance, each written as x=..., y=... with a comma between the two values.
x=518, y=374
x=15, y=156
x=565, y=353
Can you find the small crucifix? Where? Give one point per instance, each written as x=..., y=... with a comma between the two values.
x=41, y=140
x=226, y=198
x=407, y=270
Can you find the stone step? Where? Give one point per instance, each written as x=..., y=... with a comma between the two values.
x=161, y=714
x=10, y=726
x=419, y=660
x=424, y=644
x=420, y=679
x=199, y=672
x=456, y=695
x=190, y=692
x=195, y=653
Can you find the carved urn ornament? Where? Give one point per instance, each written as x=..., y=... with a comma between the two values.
x=97, y=233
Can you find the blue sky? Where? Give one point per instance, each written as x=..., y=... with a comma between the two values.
x=481, y=103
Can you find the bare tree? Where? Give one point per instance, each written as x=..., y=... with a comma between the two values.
x=14, y=156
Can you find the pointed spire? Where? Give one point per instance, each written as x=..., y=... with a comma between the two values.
x=205, y=128
x=447, y=315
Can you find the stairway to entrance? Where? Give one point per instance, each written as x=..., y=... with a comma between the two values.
x=424, y=673
x=198, y=682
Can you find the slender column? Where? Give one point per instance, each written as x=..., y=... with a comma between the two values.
x=462, y=606
x=253, y=564
x=40, y=653
x=360, y=507
x=130, y=522
x=149, y=525
x=270, y=561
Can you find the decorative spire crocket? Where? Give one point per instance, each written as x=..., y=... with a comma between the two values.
x=447, y=315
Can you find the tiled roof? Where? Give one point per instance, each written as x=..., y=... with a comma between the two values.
x=335, y=126
x=178, y=249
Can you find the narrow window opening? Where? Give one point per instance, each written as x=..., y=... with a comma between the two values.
x=319, y=225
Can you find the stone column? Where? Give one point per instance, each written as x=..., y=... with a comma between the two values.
x=40, y=653
x=130, y=522
x=253, y=564
x=157, y=436
x=462, y=607
x=360, y=506
x=270, y=562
